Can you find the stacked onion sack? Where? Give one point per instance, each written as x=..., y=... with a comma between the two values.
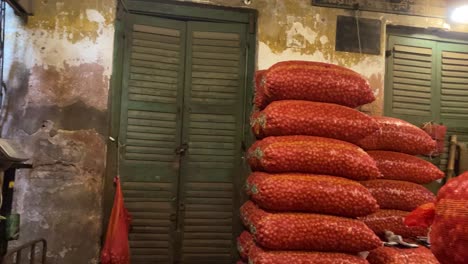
x=305, y=195
x=394, y=148
x=399, y=191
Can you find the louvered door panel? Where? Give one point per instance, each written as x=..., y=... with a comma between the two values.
x=213, y=117
x=454, y=83
x=150, y=133
x=453, y=73
x=409, y=83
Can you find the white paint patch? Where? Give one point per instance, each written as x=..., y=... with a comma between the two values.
x=95, y=16
x=36, y=47
x=324, y=40
x=298, y=34
x=46, y=49
x=266, y=57
x=370, y=65
x=64, y=252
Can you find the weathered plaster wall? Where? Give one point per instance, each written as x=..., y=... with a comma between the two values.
x=58, y=66
x=57, y=72
x=294, y=29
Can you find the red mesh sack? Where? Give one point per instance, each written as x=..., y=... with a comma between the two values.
x=309, y=154
x=250, y=212
x=116, y=247
x=449, y=230
x=259, y=256
x=404, y=167
x=400, y=136
x=245, y=242
x=311, y=193
x=391, y=255
x=315, y=81
x=259, y=99
x=398, y=195
x=284, y=118
x=392, y=220
x=297, y=231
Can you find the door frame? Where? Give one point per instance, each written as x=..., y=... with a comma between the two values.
x=181, y=11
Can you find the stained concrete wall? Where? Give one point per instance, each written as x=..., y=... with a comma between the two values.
x=57, y=73
x=57, y=70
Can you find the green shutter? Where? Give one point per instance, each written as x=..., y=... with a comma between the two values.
x=427, y=80
x=453, y=71
x=410, y=83
x=152, y=91
x=213, y=121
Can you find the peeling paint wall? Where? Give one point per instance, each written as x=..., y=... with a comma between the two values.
x=57, y=70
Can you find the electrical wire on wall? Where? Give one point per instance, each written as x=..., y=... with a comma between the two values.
x=356, y=14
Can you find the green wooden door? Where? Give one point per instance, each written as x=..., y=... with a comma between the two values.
x=453, y=76
x=410, y=80
x=152, y=93
x=427, y=80
x=181, y=132
x=213, y=125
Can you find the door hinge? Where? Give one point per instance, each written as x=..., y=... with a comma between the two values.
x=121, y=9
x=388, y=53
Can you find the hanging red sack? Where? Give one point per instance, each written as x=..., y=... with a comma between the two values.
x=449, y=217
x=116, y=248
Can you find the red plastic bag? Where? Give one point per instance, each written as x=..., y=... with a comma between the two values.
x=449, y=230
x=116, y=248
x=245, y=242
x=400, y=136
x=392, y=220
x=309, y=154
x=404, y=167
x=399, y=195
x=391, y=255
x=315, y=81
x=259, y=256
x=293, y=117
x=311, y=193
x=296, y=231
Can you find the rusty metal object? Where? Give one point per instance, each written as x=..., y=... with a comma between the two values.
x=451, y=158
